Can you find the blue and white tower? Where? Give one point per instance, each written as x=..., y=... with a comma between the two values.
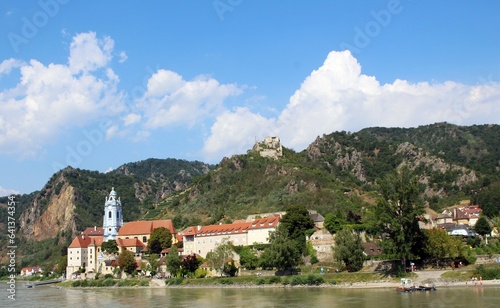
x=113, y=218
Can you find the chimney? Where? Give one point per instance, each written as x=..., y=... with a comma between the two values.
x=95, y=228
x=199, y=228
x=83, y=236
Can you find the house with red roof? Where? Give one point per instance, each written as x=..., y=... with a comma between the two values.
x=83, y=252
x=142, y=229
x=204, y=239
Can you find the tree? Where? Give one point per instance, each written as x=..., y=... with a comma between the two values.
x=173, y=261
x=349, y=250
x=282, y=252
x=334, y=223
x=218, y=258
x=399, y=212
x=189, y=264
x=296, y=222
x=248, y=258
x=482, y=227
x=439, y=245
x=154, y=264
x=110, y=247
x=160, y=239
x=126, y=261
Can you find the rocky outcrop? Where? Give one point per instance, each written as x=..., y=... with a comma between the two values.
x=51, y=212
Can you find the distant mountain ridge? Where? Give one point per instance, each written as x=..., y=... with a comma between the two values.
x=337, y=173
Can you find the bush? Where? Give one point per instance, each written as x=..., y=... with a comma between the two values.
x=108, y=276
x=260, y=281
x=296, y=280
x=200, y=273
x=108, y=282
x=488, y=273
x=314, y=279
x=225, y=281
x=174, y=281
x=274, y=280
x=286, y=281
x=76, y=283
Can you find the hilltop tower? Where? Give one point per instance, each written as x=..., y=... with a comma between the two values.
x=113, y=218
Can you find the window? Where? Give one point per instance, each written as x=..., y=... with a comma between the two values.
x=144, y=239
x=109, y=215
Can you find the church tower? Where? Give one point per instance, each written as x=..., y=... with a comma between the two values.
x=113, y=218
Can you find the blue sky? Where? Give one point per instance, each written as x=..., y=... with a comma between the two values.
x=96, y=84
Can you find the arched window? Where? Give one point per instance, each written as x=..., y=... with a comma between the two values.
x=117, y=215
x=109, y=214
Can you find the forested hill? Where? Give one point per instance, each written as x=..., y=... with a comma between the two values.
x=73, y=199
x=338, y=172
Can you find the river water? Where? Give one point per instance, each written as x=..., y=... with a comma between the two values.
x=45, y=296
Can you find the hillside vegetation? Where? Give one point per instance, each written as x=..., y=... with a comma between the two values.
x=337, y=173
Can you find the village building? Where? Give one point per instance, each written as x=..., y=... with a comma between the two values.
x=204, y=239
x=142, y=229
x=30, y=271
x=85, y=253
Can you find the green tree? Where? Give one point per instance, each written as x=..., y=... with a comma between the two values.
x=154, y=264
x=173, y=261
x=334, y=223
x=296, y=222
x=482, y=227
x=282, y=252
x=126, y=261
x=248, y=258
x=399, y=212
x=222, y=254
x=349, y=250
x=160, y=239
x=439, y=245
x=110, y=247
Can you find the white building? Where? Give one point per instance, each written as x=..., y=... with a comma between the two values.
x=204, y=239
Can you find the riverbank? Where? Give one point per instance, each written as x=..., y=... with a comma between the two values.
x=438, y=278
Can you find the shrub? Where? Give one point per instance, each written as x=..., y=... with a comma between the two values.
x=260, y=281
x=76, y=283
x=225, y=281
x=174, y=281
x=108, y=276
x=274, y=280
x=296, y=280
x=200, y=273
x=314, y=279
x=285, y=281
x=108, y=282
x=488, y=273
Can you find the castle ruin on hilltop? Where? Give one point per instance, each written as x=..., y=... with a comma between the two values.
x=270, y=147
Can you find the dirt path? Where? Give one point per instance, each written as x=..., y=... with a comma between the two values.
x=429, y=275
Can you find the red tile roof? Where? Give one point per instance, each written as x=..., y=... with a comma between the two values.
x=83, y=241
x=93, y=231
x=237, y=227
x=130, y=242
x=145, y=227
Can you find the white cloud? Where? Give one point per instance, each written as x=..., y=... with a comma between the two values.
x=88, y=53
x=337, y=96
x=7, y=65
x=131, y=118
x=235, y=132
x=170, y=100
x=7, y=192
x=122, y=57
x=53, y=98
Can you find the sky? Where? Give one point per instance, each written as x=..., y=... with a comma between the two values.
x=96, y=84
